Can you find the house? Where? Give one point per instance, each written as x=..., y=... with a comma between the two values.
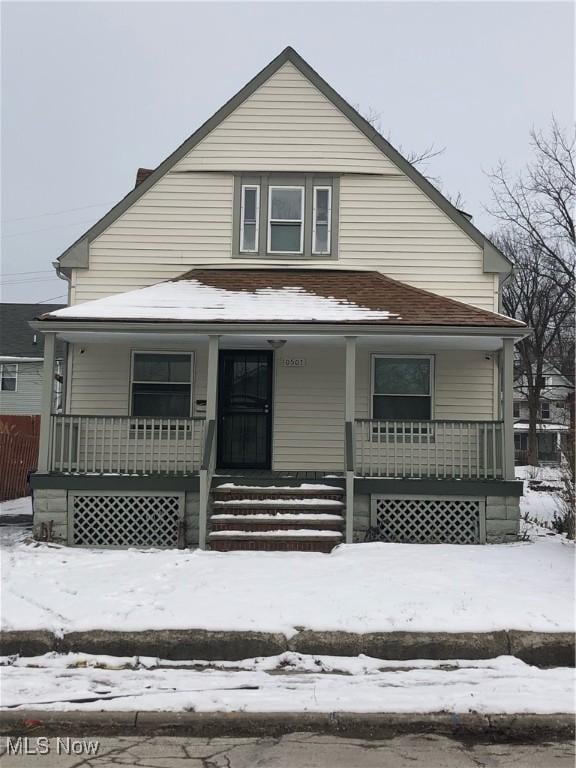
x=554, y=415
x=284, y=337
x=21, y=360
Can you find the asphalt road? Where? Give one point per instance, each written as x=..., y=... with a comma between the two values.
x=298, y=750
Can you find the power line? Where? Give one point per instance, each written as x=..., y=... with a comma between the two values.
x=56, y=213
x=33, y=272
x=25, y=282
x=52, y=298
x=49, y=229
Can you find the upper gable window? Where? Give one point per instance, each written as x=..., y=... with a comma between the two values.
x=286, y=216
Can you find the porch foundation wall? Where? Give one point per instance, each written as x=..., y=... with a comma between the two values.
x=50, y=509
x=361, y=516
x=191, y=516
x=502, y=519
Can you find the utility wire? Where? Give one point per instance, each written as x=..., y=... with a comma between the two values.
x=56, y=213
x=49, y=229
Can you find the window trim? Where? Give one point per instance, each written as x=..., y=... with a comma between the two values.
x=301, y=220
x=516, y=409
x=315, y=251
x=244, y=187
x=16, y=372
x=187, y=353
x=432, y=363
x=265, y=180
x=541, y=413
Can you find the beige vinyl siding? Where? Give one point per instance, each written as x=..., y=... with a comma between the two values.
x=308, y=408
x=100, y=381
x=386, y=221
x=287, y=124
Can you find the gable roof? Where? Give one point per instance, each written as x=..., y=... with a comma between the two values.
x=255, y=295
x=494, y=260
x=16, y=336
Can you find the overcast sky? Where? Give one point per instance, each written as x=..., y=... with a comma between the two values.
x=91, y=91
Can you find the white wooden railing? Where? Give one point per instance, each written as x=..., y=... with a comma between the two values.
x=125, y=445
x=435, y=449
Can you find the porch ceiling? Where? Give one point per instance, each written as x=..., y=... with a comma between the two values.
x=400, y=343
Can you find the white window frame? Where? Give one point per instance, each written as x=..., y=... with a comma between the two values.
x=15, y=365
x=328, y=250
x=432, y=362
x=161, y=352
x=300, y=221
x=243, y=249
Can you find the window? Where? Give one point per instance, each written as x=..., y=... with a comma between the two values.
x=516, y=409
x=286, y=219
x=8, y=377
x=321, y=215
x=544, y=410
x=249, y=218
x=402, y=388
x=285, y=215
x=161, y=384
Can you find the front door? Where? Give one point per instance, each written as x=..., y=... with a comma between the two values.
x=245, y=409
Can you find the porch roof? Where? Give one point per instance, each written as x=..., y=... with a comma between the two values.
x=284, y=295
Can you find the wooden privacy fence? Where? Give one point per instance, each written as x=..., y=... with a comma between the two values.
x=19, y=437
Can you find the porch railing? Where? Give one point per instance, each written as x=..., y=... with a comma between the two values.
x=126, y=445
x=435, y=449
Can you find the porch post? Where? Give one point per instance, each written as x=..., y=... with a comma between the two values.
x=47, y=400
x=507, y=406
x=207, y=459
x=349, y=416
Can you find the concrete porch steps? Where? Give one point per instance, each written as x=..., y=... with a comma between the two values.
x=304, y=518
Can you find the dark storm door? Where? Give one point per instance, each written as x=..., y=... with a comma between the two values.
x=245, y=409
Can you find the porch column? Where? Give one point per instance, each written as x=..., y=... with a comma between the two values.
x=209, y=439
x=349, y=416
x=507, y=406
x=47, y=400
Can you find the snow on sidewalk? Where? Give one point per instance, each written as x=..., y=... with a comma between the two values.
x=358, y=588
x=287, y=683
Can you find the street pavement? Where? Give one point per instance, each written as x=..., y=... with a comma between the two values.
x=297, y=750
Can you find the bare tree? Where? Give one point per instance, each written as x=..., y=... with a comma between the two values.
x=540, y=203
x=539, y=296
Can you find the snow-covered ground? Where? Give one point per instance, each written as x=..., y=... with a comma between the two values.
x=16, y=507
x=287, y=683
x=358, y=588
x=539, y=506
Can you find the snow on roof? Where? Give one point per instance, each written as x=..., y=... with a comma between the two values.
x=523, y=427
x=193, y=300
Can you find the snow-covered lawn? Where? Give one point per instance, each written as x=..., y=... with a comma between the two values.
x=16, y=507
x=287, y=683
x=539, y=506
x=358, y=588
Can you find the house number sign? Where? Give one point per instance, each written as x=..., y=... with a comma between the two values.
x=294, y=362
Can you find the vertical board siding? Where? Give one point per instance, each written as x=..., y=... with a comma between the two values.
x=386, y=222
x=28, y=396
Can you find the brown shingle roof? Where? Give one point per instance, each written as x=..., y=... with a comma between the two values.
x=371, y=290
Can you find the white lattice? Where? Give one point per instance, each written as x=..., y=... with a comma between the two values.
x=125, y=520
x=427, y=520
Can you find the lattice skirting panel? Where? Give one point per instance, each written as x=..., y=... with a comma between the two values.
x=125, y=520
x=428, y=519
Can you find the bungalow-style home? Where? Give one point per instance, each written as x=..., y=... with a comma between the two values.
x=554, y=415
x=284, y=337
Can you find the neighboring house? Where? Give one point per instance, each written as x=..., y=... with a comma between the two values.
x=554, y=413
x=21, y=362
x=21, y=358
x=285, y=304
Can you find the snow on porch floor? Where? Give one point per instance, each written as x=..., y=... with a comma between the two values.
x=357, y=588
x=290, y=682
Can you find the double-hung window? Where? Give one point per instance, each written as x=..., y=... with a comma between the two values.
x=8, y=377
x=544, y=410
x=286, y=215
x=285, y=219
x=249, y=218
x=161, y=384
x=402, y=388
